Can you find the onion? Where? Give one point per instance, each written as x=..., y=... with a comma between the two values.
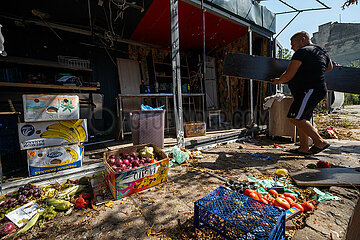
x=126, y=162
x=118, y=162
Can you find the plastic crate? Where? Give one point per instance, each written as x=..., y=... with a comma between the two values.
x=148, y=127
x=236, y=216
x=73, y=62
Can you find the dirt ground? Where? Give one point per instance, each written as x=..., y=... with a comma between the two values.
x=346, y=122
x=166, y=211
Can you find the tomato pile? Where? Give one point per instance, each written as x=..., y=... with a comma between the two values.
x=284, y=201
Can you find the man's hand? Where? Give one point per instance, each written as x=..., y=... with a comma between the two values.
x=275, y=80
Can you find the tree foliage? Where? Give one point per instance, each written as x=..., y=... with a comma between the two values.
x=284, y=54
x=349, y=3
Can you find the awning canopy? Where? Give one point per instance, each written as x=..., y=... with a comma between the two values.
x=154, y=28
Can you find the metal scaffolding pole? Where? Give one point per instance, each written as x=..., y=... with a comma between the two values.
x=176, y=73
x=251, y=83
x=204, y=45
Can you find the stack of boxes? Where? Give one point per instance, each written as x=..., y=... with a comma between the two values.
x=52, y=134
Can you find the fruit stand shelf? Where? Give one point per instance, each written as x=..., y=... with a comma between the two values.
x=46, y=86
x=39, y=62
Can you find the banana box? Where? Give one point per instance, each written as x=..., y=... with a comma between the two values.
x=54, y=133
x=54, y=159
x=50, y=107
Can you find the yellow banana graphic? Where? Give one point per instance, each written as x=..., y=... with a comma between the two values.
x=81, y=133
x=71, y=123
x=78, y=128
x=73, y=154
x=65, y=130
x=56, y=134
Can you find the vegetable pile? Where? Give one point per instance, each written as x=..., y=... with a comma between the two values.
x=52, y=199
x=284, y=201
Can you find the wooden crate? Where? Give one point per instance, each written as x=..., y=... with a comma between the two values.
x=193, y=129
x=125, y=183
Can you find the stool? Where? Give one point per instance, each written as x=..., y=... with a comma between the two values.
x=214, y=113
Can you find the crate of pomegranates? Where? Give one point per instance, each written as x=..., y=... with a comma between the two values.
x=132, y=169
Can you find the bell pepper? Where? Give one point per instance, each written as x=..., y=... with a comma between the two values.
x=81, y=203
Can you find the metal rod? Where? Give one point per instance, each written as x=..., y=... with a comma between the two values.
x=176, y=73
x=304, y=10
x=90, y=19
x=288, y=5
x=323, y=4
x=287, y=25
x=204, y=46
x=251, y=83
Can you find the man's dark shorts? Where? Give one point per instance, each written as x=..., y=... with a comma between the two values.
x=305, y=103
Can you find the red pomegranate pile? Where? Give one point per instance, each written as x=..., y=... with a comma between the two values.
x=125, y=162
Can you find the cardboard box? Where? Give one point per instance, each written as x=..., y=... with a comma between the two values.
x=54, y=133
x=128, y=182
x=193, y=129
x=54, y=159
x=51, y=107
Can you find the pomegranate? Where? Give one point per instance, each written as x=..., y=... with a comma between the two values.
x=111, y=161
x=126, y=162
x=118, y=162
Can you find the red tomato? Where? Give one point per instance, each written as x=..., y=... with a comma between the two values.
x=254, y=195
x=152, y=161
x=273, y=193
x=307, y=206
x=292, y=196
x=259, y=195
x=267, y=197
x=289, y=200
x=248, y=191
x=264, y=200
x=280, y=202
x=298, y=206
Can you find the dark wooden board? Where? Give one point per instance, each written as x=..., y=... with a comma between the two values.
x=341, y=79
x=327, y=177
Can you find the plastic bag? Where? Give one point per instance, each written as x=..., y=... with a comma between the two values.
x=178, y=156
x=148, y=108
x=325, y=196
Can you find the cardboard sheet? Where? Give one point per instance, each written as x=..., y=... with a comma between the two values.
x=327, y=177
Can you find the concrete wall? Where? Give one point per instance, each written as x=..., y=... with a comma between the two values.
x=341, y=40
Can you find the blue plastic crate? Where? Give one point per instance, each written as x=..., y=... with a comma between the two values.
x=236, y=216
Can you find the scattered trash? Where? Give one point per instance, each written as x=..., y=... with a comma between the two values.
x=324, y=196
x=281, y=172
x=24, y=213
x=277, y=146
x=179, y=156
x=261, y=156
x=330, y=133
x=322, y=164
x=311, y=166
x=109, y=204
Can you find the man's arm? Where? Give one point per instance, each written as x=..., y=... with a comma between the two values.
x=289, y=72
x=330, y=66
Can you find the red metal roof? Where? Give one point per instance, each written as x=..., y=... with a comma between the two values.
x=154, y=28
